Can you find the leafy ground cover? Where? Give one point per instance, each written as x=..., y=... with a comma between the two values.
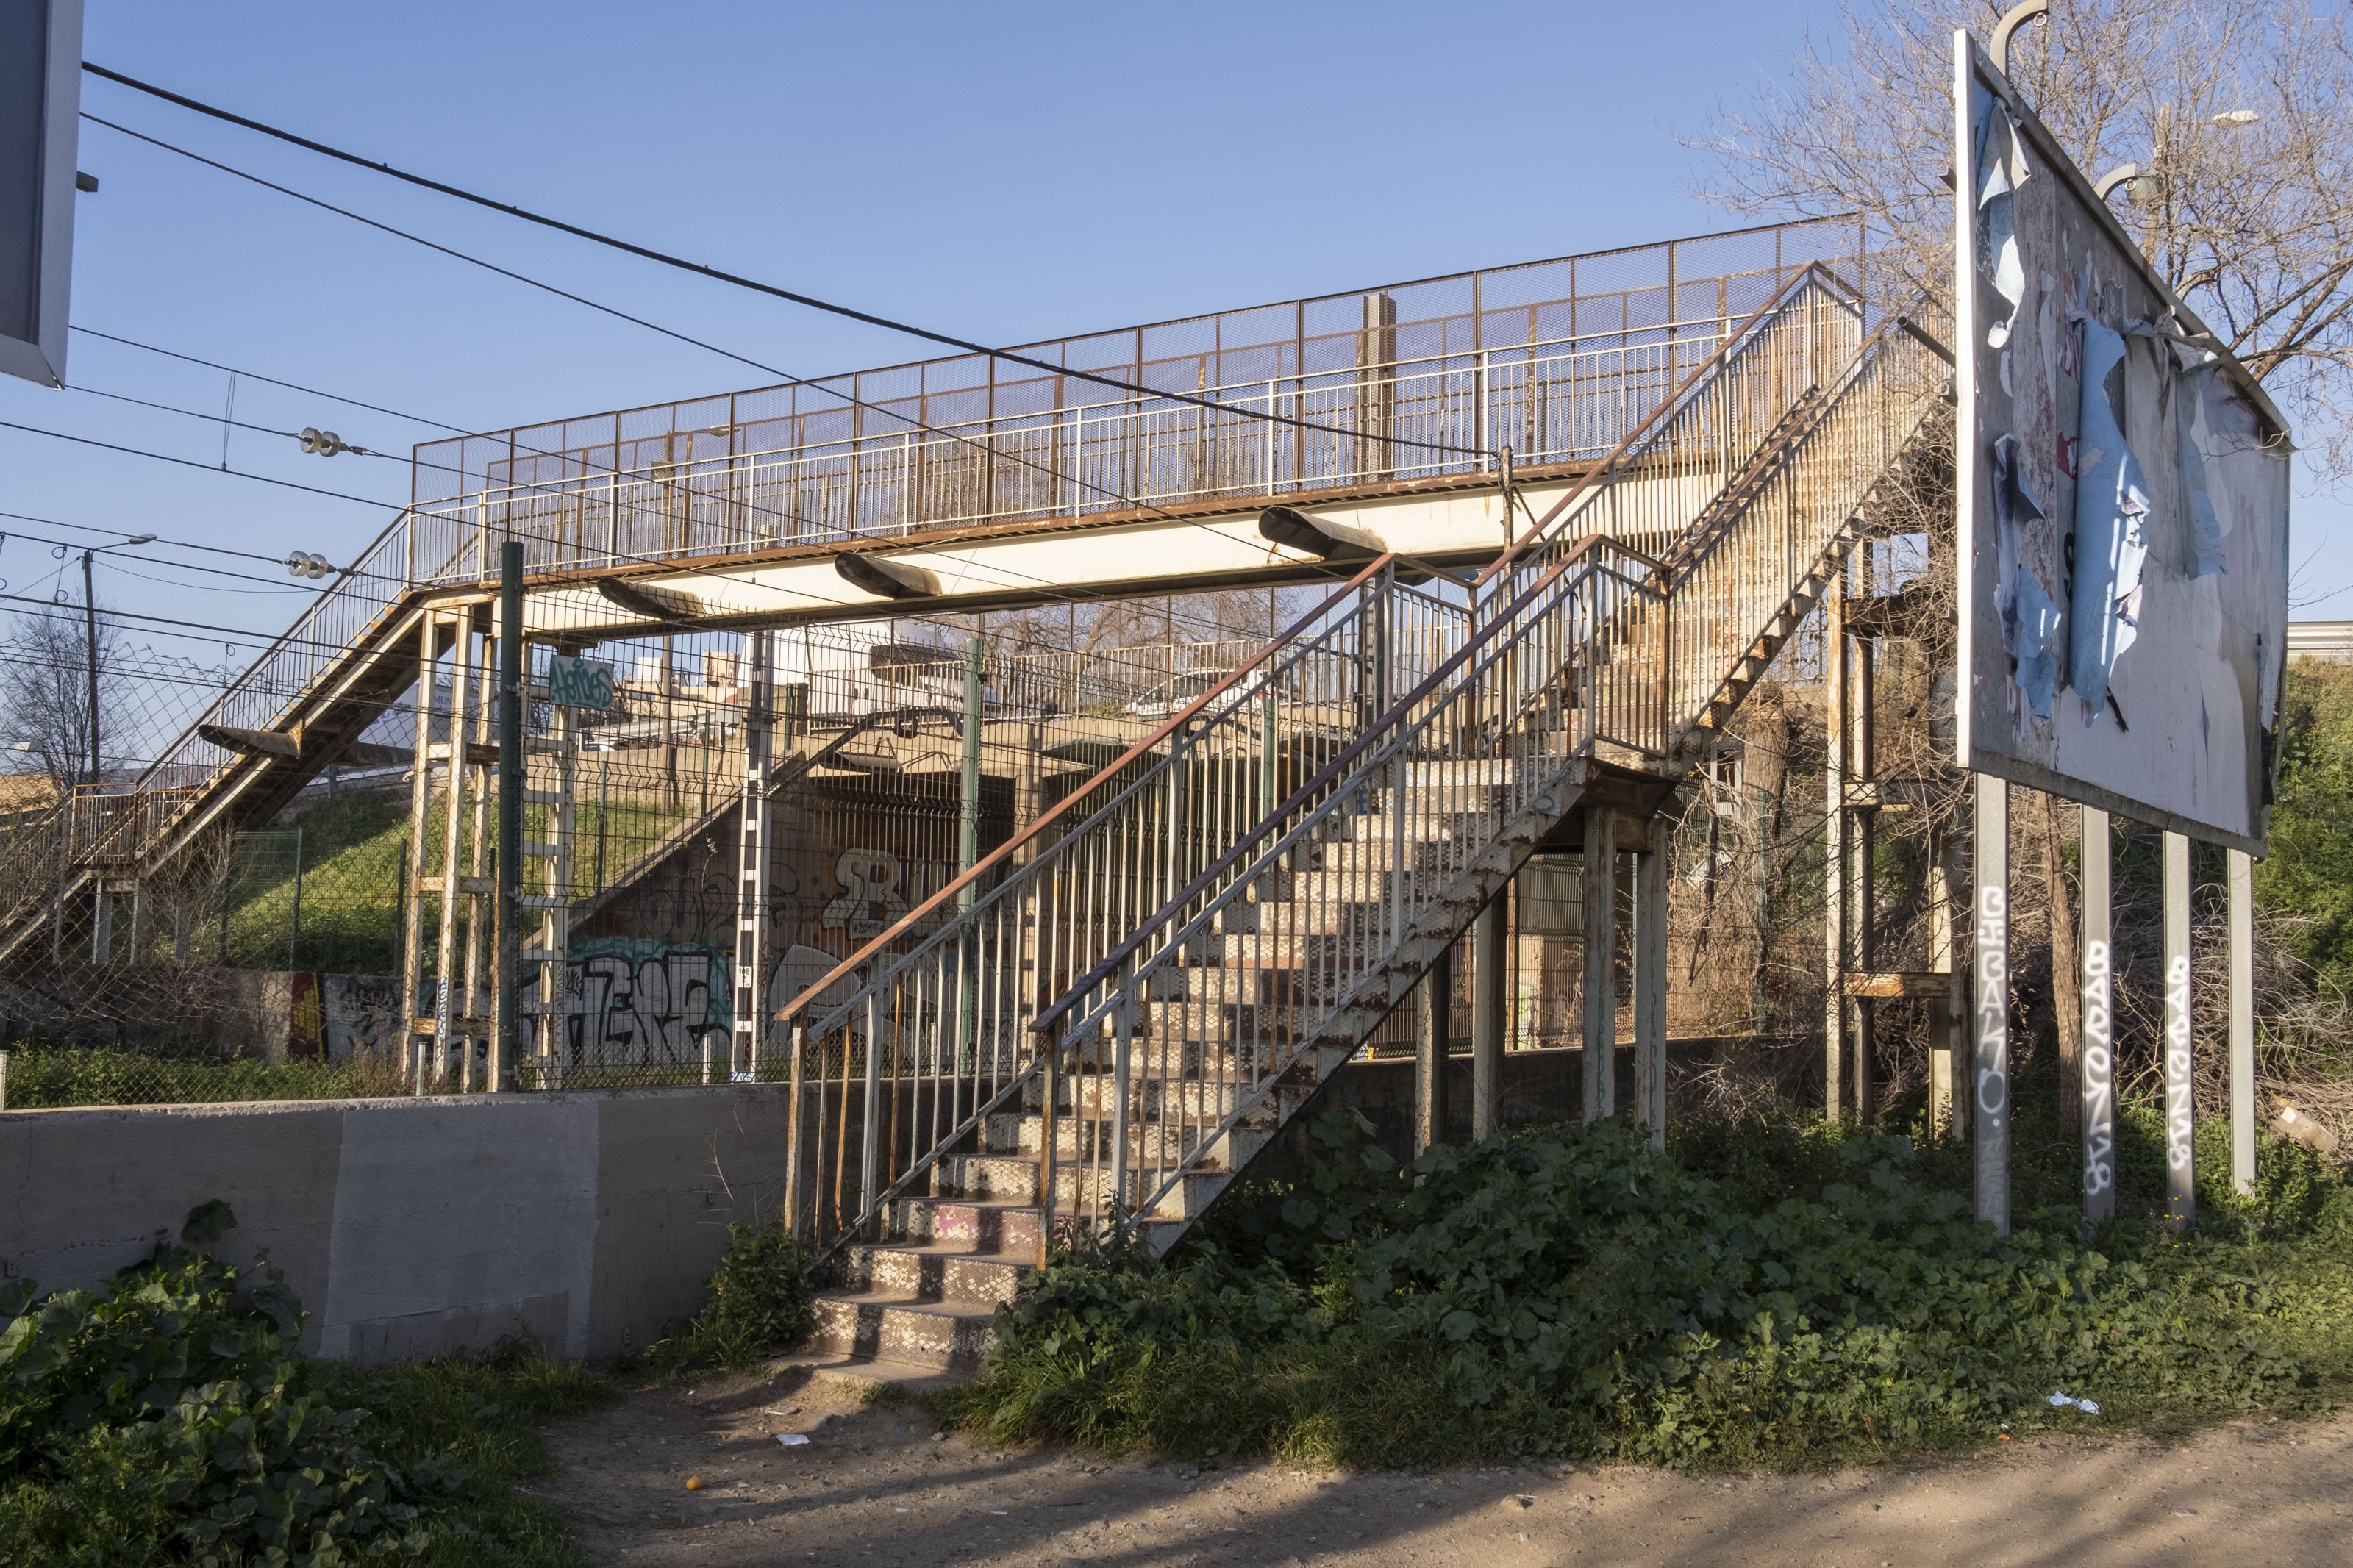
x=169, y=1419
x=1774, y=1293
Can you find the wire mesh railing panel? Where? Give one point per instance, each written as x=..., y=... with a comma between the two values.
x=924, y=1029
x=1623, y=292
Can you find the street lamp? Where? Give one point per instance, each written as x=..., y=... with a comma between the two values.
x=89, y=629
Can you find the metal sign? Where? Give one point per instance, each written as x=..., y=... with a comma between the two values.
x=579, y=683
x=2124, y=501
x=40, y=106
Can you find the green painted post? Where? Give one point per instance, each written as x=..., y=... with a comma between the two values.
x=510, y=782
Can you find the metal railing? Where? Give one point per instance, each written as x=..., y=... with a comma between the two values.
x=1301, y=935
x=1635, y=294
x=924, y=1027
x=924, y=1041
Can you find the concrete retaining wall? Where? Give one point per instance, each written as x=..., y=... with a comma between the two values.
x=410, y=1226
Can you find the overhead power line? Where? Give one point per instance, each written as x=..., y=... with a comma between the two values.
x=911, y=421
x=192, y=463
x=255, y=375
x=738, y=281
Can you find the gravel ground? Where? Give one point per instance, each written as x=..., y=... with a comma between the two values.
x=879, y=1486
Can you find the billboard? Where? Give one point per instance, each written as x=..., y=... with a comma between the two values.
x=40, y=107
x=2123, y=488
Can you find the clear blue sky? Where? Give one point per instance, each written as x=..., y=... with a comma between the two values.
x=1005, y=172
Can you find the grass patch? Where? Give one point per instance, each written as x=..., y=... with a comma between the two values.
x=1771, y=1293
x=168, y=1419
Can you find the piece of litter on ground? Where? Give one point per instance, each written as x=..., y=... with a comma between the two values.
x=998, y=1513
x=2088, y=1408
x=793, y=1439
x=2061, y=1401
x=2062, y=1398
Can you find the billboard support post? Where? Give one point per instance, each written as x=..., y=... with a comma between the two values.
x=2099, y=1027
x=2242, y=1022
x=2180, y=1157
x=1990, y=997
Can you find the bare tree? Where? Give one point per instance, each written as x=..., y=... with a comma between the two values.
x=45, y=693
x=2242, y=110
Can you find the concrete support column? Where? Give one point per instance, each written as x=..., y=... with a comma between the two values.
x=2242, y=1022
x=1650, y=986
x=1990, y=999
x=2180, y=1061
x=1434, y=1000
x=1488, y=1012
x=2099, y=1025
x=1601, y=963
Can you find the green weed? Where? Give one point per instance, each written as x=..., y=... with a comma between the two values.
x=756, y=1304
x=1769, y=1293
x=169, y=1419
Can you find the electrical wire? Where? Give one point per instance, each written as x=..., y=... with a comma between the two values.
x=207, y=467
x=126, y=533
x=272, y=586
x=223, y=420
x=737, y=279
x=787, y=378
x=255, y=375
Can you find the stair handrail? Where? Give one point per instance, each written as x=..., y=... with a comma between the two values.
x=1007, y=852
x=1585, y=573
x=1110, y=993
x=1739, y=340
x=1070, y=893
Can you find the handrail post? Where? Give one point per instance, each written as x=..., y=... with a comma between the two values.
x=1122, y=1049
x=793, y=1149
x=1050, y=1134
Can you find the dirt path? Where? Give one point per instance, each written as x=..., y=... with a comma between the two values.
x=879, y=1487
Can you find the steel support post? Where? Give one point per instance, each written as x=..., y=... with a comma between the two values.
x=976, y=656
x=2099, y=1023
x=2180, y=1059
x=1489, y=1009
x=1601, y=1097
x=1834, y=858
x=507, y=968
x=1990, y=999
x=1862, y=823
x=754, y=861
x=1948, y=1099
x=2242, y=1022
x=1650, y=985
x=1434, y=1004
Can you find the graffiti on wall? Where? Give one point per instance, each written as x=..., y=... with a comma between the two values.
x=630, y=1002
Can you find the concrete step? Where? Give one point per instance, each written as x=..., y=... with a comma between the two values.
x=972, y=1224
x=948, y=1336
x=1015, y=1177
x=935, y=1271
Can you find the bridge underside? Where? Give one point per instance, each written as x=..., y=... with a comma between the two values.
x=1200, y=548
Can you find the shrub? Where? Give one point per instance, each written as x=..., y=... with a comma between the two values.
x=1770, y=1294
x=168, y=1419
x=755, y=1303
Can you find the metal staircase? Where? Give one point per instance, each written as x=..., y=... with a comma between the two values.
x=1114, y=1021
